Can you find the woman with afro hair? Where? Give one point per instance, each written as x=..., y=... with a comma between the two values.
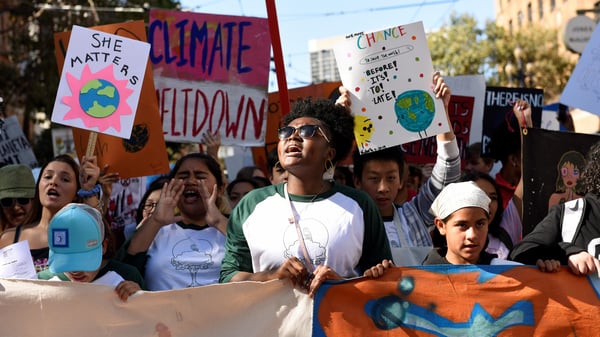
x=307, y=230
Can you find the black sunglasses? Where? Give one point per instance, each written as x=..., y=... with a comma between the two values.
x=10, y=202
x=305, y=131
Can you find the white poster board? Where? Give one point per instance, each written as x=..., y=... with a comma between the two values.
x=101, y=81
x=583, y=88
x=472, y=86
x=389, y=76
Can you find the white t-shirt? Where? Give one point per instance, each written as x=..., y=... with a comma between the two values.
x=184, y=256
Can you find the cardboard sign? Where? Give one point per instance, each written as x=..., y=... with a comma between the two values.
x=146, y=146
x=211, y=74
x=100, y=82
x=14, y=146
x=389, y=76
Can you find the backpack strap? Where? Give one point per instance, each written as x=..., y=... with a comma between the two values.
x=571, y=220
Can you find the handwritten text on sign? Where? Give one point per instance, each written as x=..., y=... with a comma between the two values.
x=100, y=82
x=211, y=74
x=389, y=76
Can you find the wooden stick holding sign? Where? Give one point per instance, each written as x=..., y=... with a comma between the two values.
x=91, y=145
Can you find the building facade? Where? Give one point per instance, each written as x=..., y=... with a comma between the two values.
x=323, y=67
x=519, y=15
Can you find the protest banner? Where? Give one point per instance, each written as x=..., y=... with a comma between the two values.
x=389, y=77
x=424, y=151
x=146, y=146
x=499, y=103
x=211, y=74
x=442, y=300
x=552, y=165
x=14, y=146
x=583, y=88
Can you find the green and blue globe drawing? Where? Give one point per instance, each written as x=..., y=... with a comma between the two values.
x=99, y=98
x=415, y=110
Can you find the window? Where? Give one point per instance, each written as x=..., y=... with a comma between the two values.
x=520, y=19
x=541, y=9
x=552, y=5
x=529, y=13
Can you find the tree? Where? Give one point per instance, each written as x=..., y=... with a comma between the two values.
x=461, y=48
x=31, y=71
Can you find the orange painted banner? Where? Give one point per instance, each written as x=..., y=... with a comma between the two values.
x=448, y=300
x=144, y=153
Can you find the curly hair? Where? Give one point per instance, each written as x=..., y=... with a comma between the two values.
x=591, y=173
x=335, y=118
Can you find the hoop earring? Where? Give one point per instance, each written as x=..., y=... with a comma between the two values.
x=329, y=165
x=278, y=164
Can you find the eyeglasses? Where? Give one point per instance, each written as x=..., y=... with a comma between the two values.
x=305, y=131
x=150, y=206
x=10, y=202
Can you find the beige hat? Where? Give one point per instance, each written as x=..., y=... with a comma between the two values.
x=459, y=195
x=16, y=181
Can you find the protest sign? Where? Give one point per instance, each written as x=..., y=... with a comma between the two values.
x=470, y=86
x=552, y=165
x=389, y=76
x=100, y=82
x=14, y=146
x=499, y=103
x=211, y=74
x=583, y=88
x=442, y=300
x=63, y=142
x=146, y=146
x=424, y=151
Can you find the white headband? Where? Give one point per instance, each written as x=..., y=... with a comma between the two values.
x=459, y=195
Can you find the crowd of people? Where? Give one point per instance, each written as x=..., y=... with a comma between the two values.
x=307, y=220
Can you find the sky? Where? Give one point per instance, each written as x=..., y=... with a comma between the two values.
x=304, y=20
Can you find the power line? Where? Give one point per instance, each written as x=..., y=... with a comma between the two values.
x=375, y=9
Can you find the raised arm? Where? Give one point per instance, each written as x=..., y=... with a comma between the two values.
x=163, y=215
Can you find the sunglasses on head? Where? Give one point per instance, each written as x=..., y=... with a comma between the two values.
x=305, y=131
x=10, y=202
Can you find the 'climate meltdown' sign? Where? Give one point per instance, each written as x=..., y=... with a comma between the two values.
x=211, y=73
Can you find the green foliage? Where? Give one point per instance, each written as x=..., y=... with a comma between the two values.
x=30, y=78
x=461, y=48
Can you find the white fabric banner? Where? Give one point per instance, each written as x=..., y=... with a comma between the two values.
x=66, y=309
